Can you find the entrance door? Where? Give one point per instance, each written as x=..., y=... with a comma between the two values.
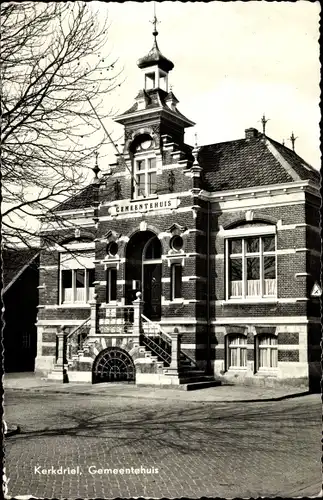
x=152, y=290
x=143, y=272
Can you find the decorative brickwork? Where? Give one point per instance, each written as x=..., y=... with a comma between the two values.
x=292, y=355
x=205, y=196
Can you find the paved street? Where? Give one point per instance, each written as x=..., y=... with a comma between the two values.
x=192, y=449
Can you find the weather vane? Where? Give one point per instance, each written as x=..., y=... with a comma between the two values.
x=155, y=22
x=264, y=122
x=293, y=140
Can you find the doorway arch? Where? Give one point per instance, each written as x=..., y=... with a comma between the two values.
x=143, y=272
x=113, y=365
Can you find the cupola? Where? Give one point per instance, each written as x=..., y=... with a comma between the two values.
x=155, y=66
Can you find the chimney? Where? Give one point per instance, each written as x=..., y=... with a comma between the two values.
x=251, y=133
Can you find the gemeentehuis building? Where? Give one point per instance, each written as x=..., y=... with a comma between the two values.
x=212, y=251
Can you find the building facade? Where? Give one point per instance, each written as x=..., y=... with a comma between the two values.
x=184, y=263
x=20, y=300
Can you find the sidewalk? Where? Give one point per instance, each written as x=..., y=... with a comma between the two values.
x=225, y=393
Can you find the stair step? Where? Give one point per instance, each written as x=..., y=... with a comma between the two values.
x=191, y=379
x=204, y=384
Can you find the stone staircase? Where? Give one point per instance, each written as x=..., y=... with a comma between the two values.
x=191, y=377
x=152, y=355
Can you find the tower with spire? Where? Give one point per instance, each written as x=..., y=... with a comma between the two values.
x=155, y=109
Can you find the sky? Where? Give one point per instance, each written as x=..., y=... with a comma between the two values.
x=234, y=61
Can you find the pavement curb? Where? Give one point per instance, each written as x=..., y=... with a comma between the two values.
x=44, y=390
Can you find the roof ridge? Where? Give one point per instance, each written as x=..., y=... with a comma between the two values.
x=279, y=157
x=295, y=154
x=223, y=142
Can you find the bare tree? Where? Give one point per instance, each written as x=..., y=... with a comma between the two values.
x=52, y=64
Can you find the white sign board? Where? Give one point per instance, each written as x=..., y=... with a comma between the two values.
x=145, y=205
x=316, y=290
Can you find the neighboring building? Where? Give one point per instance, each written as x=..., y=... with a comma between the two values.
x=20, y=300
x=222, y=241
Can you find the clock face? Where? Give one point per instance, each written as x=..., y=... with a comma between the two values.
x=145, y=144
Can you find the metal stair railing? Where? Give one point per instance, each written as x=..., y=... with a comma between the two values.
x=75, y=339
x=161, y=353
x=155, y=330
x=117, y=319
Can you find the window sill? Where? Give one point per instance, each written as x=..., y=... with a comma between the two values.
x=237, y=369
x=267, y=371
x=257, y=300
x=176, y=301
x=67, y=305
x=143, y=198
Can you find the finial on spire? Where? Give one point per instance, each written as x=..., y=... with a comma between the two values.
x=155, y=22
x=293, y=140
x=264, y=122
x=195, y=135
x=96, y=168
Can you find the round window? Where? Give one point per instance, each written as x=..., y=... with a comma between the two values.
x=112, y=248
x=146, y=144
x=176, y=242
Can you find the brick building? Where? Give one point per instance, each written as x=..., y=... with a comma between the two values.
x=20, y=300
x=184, y=264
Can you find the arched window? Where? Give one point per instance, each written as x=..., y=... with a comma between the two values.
x=152, y=249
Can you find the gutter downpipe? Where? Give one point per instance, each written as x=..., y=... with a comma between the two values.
x=208, y=364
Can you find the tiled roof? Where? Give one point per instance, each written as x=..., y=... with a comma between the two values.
x=300, y=166
x=251, y=162
x=154, y=57
x=83, y=199
x=155, y=98
x=14, y=261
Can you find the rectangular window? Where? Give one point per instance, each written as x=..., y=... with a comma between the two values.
x=251, y=267
x=267, y=351
x=80, y=285
x=76, y=281
x=145, y=177
x=111, y=285
x=237, y=351
x=176, y=281
x=67, y=289
x=152, y=183
x=141, y=188
x=91, y=287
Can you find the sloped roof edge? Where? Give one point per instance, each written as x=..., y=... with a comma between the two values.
x=20, y=272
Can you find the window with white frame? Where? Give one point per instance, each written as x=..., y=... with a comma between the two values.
x=251, y=267
x=236, y=351
x=145, y=177
x=176, y=281
x=267, y=351
x=76, y=277
x=111, y=290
